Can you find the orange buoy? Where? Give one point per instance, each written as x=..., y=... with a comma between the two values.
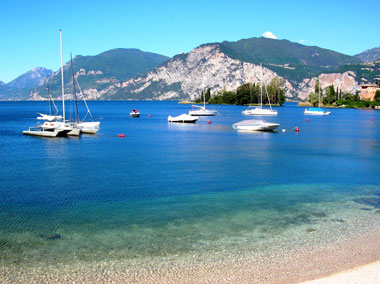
x=297, y=129
x=121, y=135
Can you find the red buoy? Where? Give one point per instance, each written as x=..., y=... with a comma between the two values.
x=149, y=116
x=372, y=119
x=209, y=121
x=307, y=120
x=297, y=129
x=121, y=135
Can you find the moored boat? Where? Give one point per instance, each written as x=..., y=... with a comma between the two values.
x=254, y=125
x=183, y=118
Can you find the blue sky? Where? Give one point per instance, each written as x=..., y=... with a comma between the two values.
x=29, y=30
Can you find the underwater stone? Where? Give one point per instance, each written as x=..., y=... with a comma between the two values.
x=374, y=202
x=51, y=237
x=310, y=230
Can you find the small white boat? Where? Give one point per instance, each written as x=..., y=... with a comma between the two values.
x=183, y=118
x=316, y=111
x=259, y=111
x=134, y=113
x=202, y=111
x=89, y=127
x=255, y=125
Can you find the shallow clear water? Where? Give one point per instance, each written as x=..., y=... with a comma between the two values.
x=172, y=189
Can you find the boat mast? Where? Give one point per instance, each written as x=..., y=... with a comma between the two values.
x=75, y=91
x=63, y=88
x=261, y=86
x=319, y=93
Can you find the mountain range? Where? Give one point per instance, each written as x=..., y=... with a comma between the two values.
x=133, y=74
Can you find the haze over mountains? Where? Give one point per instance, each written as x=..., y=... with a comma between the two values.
x=134, y=74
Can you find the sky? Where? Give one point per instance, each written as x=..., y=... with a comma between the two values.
x=29, y=30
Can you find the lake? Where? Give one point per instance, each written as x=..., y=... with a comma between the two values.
x=174, y=190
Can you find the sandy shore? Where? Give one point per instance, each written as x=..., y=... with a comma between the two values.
x=278, y=267
x=367, y=274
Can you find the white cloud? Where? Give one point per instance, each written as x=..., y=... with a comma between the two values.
x=302, y=41
x=269, y=35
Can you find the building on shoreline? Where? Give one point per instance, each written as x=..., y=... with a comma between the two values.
x=368, y=91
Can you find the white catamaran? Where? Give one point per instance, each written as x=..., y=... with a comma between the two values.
x=55, y=125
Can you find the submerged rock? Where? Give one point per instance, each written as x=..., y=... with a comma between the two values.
x=51, y=237
x=310, y=230
x=370, y=201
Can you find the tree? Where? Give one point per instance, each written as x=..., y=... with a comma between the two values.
x=317, y=87
x=313, y=99
x=377, y=96
x=330, y=97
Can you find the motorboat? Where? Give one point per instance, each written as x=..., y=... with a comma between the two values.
x=254, y=125
x=183, y=118
x=134, y=113
x=259, y=110
x=316, y=111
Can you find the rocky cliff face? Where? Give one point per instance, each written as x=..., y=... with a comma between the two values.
x=184, y=76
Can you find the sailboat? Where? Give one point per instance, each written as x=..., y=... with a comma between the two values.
x=89, y=127
x=317, y=110
x=251, y=110
x=201, y=110
x=55, y=125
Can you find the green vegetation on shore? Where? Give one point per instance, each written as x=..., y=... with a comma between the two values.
x=333, y=97
x=248, y=94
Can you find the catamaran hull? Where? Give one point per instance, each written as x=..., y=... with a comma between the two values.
x=47, y=134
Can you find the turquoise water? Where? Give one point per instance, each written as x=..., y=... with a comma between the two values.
x=175, y=190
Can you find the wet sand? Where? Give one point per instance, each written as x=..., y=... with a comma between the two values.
x=281, y=266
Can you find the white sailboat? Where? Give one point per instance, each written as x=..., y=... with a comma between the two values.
x=55, y=125
x=252, y=110
x=88, y=127
x=317, y=110
x=201, y=110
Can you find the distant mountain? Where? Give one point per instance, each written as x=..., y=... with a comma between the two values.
x=32, y=78
x=133, y=74
x=211, y=66
x=291, y=60
x=369, y=55
x=97, y=72
x=2, y=83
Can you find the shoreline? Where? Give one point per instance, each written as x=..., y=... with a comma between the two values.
x=300, y=265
